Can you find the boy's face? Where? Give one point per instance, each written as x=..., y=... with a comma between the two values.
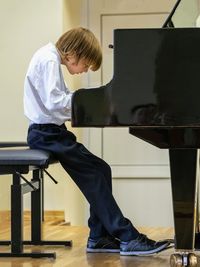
x=75, y=67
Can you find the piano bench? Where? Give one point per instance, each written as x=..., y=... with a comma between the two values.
x=17, y=162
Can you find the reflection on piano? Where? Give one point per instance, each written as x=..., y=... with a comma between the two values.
x=155, y=91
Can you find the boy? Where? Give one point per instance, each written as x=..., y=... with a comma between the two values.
x=47, y=105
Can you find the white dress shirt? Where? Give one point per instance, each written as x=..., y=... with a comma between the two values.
x=46, y=97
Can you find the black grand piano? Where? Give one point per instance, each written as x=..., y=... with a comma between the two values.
x=155, y=91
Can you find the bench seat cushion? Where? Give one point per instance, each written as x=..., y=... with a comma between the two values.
x=25, y=157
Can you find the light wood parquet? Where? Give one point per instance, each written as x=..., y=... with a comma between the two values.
x=76, y=256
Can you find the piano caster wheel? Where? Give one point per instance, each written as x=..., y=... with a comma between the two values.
x=176, y=260
x=192, y=260
x=183, y=260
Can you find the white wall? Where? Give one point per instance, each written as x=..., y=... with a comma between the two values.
x=26, y=25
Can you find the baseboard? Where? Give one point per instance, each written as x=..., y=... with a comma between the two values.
x=49, y=216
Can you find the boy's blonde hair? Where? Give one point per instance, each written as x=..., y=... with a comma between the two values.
x=82, y=44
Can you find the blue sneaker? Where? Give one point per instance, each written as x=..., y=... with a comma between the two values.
x=142, y=246
x=103, y=245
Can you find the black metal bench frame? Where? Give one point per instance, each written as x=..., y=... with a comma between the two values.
x=22, y=162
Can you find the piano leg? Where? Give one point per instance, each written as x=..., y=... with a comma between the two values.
x=184, y=169
x=197, y=209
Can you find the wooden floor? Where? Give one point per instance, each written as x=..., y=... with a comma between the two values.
x=76, y=255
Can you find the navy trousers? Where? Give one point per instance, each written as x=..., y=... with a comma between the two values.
x=91, y=174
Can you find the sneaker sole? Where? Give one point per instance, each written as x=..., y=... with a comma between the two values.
x=101, y=250
x=142, y=253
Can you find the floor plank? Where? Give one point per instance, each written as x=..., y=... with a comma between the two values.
x=76, y=256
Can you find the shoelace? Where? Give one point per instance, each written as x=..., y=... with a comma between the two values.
x=141, y=239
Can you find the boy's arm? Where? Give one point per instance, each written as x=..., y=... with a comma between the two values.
x=55, y=95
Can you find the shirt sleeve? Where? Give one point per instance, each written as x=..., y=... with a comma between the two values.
x=52, y=90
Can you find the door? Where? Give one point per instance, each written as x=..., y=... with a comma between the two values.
x=127, y=155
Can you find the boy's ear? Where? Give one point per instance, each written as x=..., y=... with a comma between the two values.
x=68, y=57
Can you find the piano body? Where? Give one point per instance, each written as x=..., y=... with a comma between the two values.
x=155, y=91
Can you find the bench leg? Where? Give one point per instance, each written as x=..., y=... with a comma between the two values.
x=16, y=215
x=17, y=225
x=17, y=241
x=37, y=210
